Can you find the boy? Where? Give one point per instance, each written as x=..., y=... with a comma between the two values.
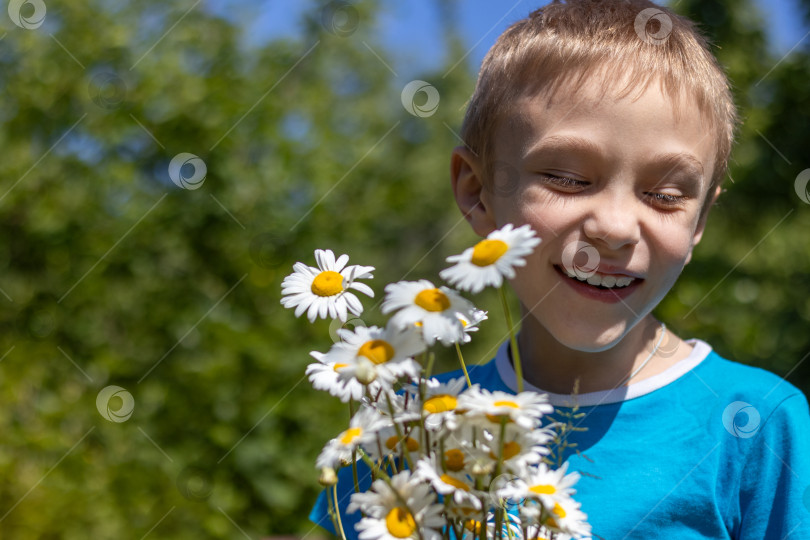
x=613, y=124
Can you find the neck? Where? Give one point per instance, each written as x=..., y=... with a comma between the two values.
x=553, y=367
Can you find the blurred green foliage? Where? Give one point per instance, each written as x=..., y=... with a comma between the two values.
x=112, y=275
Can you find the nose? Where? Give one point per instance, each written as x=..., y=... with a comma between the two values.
x=612, y=222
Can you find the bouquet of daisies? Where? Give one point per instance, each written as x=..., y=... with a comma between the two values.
x=448, y=459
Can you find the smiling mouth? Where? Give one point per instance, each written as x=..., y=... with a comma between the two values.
x=605, y=282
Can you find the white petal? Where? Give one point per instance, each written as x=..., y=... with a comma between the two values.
x=341, y=262
x=353, y=303
x=363, y=288
x=312, y=312
x=302, y=307
x=341, y=310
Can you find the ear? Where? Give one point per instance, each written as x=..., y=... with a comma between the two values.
x=472, y=198
x=704, y=216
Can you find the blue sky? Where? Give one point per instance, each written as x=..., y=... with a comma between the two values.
x=411, y=32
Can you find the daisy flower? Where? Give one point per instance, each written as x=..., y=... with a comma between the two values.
x=389, y=443
x=383, y=352
x=398, y=407
x=324, y=290
x=542, y=484
x=471, y=325
x=440, y=402
x=435, y=310
x=463, y=512
x=324, y=375
x=566, y=517
x=524, y=409
x=492, y=259
x=538, y=532
x=458, y=485
x=362, y=430
x=405, y=509
x=520, y=449
x=509, y=529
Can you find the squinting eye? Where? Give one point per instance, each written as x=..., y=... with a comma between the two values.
x=667, y=200
x=563, y=181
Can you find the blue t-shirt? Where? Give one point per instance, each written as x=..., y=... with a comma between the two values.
x=708, y=448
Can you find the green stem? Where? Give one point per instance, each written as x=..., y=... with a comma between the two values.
x=354, y=453
x=400, y=437
x=501, y=444
x=429, y=368
x=463, y=365
x=354, y=471
x=387, y=480
x=513, y=340
x=337, y=514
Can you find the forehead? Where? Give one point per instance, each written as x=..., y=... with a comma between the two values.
x=604, y=119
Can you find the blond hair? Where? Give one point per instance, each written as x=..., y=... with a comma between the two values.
x=568, y=42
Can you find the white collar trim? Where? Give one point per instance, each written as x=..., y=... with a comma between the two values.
x=700, y=351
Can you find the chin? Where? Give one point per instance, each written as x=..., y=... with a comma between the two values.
x=588, y=337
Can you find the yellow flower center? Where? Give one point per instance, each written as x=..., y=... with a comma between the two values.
x=550, y=520
x=327, y=283
x=510, y=450
x=506, y=404
x=455, y=482
x=350, y=434
x=432, y=300
x=440, y=403
x=400, y=523
x=378, y=351
x=486, y=252
x=473, y=525
x=454, y=459
x=496, y=418
x=410, y=443
x=543, y=489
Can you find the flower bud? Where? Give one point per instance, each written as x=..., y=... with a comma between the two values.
x=328, y=477
x=482, y=468
x=365, y=373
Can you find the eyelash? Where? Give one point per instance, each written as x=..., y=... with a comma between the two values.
x=664, y=199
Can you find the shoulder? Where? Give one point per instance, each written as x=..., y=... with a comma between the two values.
x=734, y=381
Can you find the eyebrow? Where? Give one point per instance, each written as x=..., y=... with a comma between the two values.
x=558, y=143
x=682, y=160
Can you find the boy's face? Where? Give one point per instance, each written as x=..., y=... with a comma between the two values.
x=611, y=185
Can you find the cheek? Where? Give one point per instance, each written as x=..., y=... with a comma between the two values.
x=669, y=253
x=542, y=211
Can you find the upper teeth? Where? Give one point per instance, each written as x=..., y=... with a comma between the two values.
x=604, y=281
